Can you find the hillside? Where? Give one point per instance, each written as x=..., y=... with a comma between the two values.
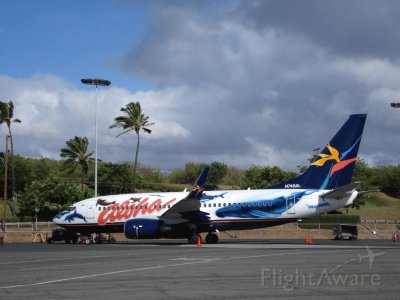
x=378, y=206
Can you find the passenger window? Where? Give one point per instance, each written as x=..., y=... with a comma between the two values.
x=209, y=205
x=224, y=204
x=215, y=204
x=219, y=204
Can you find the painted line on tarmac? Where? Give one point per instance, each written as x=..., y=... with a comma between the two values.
x=185, y=263
x=203, y=261
x=103, y=274
x=77, y=258
x=289, y=246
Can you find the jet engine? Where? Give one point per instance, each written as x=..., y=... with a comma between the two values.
x=142, y=228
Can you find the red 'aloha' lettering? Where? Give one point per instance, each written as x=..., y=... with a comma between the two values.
x=127, y=210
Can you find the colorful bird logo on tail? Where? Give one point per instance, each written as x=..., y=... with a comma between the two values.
x=334, y=155
x=339, y=161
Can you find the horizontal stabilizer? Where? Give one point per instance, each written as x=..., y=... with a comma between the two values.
x=340, y=192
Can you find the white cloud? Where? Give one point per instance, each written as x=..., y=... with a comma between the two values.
x=50, y=116
x=232, y=86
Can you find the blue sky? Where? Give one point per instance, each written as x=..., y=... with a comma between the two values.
x=241, y=82
x=71, y=39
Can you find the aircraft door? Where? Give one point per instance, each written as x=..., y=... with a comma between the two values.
x=90, y=211
x=291, y=204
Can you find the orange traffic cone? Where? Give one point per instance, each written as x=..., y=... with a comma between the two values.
x=198, y=241
x=308, y=239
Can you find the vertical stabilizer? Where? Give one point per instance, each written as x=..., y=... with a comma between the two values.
x=334, y=166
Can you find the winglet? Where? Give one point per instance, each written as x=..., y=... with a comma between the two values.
x=189, y=207
x=199, y=185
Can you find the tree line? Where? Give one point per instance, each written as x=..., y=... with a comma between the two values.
x=45, y=186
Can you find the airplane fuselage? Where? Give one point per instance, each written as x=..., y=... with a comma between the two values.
x=325, y=186
x=219, y=210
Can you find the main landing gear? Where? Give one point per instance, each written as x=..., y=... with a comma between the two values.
x=211, y=238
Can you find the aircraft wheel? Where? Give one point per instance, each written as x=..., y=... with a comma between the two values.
x=87, y=241
x=211, y=238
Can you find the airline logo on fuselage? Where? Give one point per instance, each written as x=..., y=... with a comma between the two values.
x=127, y=210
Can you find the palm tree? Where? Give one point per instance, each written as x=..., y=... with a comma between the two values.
x=75, y=155
x=133, y=119
x=7, y=117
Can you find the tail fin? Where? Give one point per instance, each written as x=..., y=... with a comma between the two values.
x=199, y=185
x=334, y=166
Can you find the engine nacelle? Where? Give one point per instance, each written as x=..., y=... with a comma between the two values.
x=142, y=228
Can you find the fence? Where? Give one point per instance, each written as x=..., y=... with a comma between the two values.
x=367, y=229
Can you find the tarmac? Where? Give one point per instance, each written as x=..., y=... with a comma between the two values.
x=231, y=269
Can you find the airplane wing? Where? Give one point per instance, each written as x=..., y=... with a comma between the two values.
x=340, y=192
x=188, y=209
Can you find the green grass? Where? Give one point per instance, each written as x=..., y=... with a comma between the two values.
x=378, y=206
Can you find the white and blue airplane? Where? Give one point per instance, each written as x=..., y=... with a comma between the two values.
x=325, y=186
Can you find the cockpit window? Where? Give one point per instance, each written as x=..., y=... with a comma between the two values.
x=71, y=208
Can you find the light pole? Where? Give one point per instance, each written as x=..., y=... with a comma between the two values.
x=5, y=186
x=96, y=82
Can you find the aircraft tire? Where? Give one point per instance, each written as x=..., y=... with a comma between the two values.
x=211, y=238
